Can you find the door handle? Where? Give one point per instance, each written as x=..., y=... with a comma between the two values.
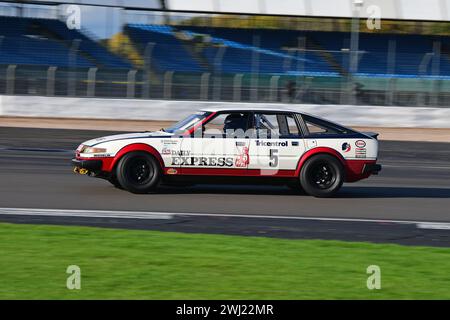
x=240, y=143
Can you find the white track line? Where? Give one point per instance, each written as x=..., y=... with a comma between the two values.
x=170, y=215
x=84, y=213
x=432, y=225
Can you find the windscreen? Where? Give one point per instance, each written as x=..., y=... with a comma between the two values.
x=188, y=122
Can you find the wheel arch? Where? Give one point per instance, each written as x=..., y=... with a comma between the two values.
x=136, y=147
x=317, y=151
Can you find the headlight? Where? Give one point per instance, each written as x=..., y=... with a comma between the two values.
x=93, y=150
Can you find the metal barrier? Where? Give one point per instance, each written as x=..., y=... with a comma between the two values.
x=133, y=83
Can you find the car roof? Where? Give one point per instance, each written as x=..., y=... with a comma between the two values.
x=265, y=109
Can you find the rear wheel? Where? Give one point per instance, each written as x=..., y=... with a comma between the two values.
x=138, y=172
x=322, y=175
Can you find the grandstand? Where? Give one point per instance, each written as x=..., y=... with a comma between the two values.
x=31, y=41
x=323, y=53
x=169, y=54
x=48, y=42
x=186, y=59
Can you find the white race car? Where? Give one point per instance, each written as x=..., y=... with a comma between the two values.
x=221, y=145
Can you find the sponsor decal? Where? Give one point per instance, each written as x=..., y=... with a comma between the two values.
x=102, y=155
x=166, y=151
x=203, y=161
x=261, y=143
x=360, y=143
x=243, y=159
x=360, y=152
x=168, y=142
x=172, y=171
x=346, y=147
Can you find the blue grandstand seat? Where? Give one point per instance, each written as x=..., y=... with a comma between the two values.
x=410, y=49
x=47, y=42
x=273, y=59
x=409, y=53
x=88, y=46
x=168, y=53
x=25, y=50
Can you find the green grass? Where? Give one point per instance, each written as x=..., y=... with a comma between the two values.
x=128, y=264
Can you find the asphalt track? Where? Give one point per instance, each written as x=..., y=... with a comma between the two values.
x=414, y=187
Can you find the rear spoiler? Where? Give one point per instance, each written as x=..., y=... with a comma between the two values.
x=371, y=134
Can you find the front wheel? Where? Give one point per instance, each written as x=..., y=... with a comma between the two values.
x=138, y=172
x=113, y=180
x=322, y=176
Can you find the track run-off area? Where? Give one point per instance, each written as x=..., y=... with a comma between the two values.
x=408, y=203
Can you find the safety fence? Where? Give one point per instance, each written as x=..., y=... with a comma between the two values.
x=119, y=83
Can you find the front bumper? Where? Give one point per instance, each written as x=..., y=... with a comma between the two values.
x=94, y=165
x=371, y=168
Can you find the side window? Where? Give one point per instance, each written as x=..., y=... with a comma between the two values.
x=215, y=126
x=266, y=125
x=314, y=128
x=276, y=125
x=292, y=126
x=232, y=124
x=320, y=127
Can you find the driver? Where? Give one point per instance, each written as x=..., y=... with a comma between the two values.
x=234, y=122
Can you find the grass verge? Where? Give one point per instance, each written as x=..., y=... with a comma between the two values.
x=130, y=264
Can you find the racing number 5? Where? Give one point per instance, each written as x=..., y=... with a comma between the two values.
x=273, y=157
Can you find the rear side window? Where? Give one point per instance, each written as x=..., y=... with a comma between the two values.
x=317, y=126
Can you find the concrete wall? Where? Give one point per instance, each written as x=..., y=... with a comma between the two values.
x=433, y=10
x=127, y=109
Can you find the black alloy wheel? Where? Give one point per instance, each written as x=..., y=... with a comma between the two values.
x=138, y=172
x=322, y=175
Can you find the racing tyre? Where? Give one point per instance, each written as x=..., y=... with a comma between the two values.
x=113, y=180
x=322, y=176
x=138, y=172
